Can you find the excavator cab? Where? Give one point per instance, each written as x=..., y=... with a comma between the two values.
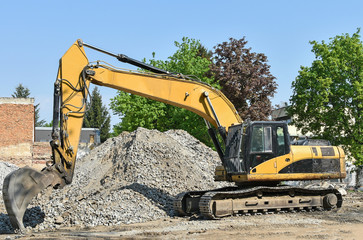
x=265, y=140
x=261, y=153
x=252, y=143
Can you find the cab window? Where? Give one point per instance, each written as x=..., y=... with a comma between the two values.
x=261, y=139
x=281, y=149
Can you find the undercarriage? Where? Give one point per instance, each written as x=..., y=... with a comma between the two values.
x=231, y=201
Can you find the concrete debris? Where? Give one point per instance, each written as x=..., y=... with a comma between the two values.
x=59, y=220
x=130, y=178
x=327, y=185
x=343, y=191
x=5, y=169
x=354, y=177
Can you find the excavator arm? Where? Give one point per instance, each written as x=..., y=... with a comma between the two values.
x=71, y=90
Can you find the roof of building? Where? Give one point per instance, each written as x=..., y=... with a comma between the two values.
x=11, y=100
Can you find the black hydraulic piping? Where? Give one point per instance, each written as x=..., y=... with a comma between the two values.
x=126, y=59
x=221, y=129
x=137, y=63
x=56, y=110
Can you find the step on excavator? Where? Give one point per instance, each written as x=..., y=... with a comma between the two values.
x=257, y=156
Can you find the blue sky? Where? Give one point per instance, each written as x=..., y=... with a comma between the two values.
x=35, y=34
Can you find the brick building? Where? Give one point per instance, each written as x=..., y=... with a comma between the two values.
x=17, y=134
x=20, y=142
x=16, y=130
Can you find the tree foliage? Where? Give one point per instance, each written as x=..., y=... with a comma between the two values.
x=24, y=92
x=50, y=124
x=189, y=59
x=245, y=78
x=21, y=92
x=97, y=115
x=327, y=98
x=38, y=122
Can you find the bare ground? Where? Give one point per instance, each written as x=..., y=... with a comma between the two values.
x=346, y=223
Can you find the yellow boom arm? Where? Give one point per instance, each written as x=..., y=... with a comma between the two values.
x=75, y=74
x=70, y=93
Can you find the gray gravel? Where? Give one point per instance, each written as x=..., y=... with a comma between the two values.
x=130, y=178
x=5, y=169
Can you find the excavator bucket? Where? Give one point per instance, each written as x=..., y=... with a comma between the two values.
x=19, y=187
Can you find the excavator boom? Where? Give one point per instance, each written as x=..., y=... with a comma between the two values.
x=71, y=90
x=76, y=73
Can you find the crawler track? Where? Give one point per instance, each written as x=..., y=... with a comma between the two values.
x=187, y=203
x=232, y=201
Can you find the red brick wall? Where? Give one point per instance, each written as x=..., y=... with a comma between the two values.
x=16, y=130
x=41, y=154
x=17, y=124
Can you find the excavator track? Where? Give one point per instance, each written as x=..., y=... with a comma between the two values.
x=183, y=207
x=187, y=203
x=233, y=201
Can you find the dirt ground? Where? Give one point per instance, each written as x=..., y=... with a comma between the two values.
x=346, y=223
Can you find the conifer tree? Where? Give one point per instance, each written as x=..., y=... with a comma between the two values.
x=97, y=115
x=24, y=92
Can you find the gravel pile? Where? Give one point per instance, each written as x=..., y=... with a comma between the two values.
x=5, y=169
x=130, y=178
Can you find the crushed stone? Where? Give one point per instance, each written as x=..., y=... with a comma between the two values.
x=5, y=169
x=128, y=179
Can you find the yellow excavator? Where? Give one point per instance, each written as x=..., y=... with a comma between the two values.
x=256, y=156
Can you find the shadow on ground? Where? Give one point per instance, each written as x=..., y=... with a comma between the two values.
x=161, y=199
x=32, y=217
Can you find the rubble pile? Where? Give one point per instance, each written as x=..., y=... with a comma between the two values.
x=5, y=169
x=130, y=178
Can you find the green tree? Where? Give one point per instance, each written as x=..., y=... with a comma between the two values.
x=327, y=97
x=21, y=92
x=50, y=124
x=97, y=115
x=38, y=122
x=189, y=59
x=245, y=78
x=24, y=92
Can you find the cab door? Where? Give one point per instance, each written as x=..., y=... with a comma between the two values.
x=284, y=157
x=269, y=147
x=261, y=148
